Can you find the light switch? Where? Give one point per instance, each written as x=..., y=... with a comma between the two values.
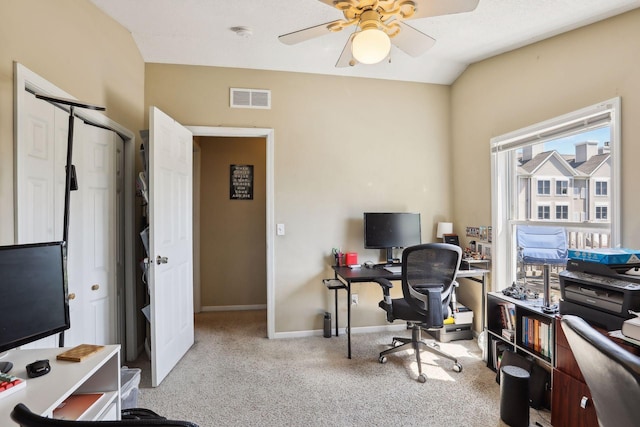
x=280, y=229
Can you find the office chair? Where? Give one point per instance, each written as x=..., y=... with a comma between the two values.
x=428, y=281
x=611, y=372
x=25, y=418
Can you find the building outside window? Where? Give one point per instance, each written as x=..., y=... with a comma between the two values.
x=601, y=188
x=544, y=212
x=544, y=187
x=561, y=187
x=577, y=154
x=601, y=213
x=562, y=212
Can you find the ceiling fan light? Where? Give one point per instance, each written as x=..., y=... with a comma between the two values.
x=370, y=46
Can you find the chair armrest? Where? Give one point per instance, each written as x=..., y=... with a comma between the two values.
x=385, y=285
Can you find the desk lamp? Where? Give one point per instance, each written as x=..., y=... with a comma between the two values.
x=444, y=228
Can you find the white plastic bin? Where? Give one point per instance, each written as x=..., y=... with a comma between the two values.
x=129, y=383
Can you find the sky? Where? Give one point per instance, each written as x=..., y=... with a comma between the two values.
x=567, y=145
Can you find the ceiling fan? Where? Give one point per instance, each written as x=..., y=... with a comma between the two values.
x=378, y=24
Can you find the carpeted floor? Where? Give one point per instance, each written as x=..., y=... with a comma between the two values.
x=234, y=376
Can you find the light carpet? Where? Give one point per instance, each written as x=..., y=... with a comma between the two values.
x=234, y=375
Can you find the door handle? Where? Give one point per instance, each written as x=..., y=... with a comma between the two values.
x=162, y=260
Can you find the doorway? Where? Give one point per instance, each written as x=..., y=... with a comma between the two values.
x=268, y=137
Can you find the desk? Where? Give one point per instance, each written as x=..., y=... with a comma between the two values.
x=99, y=372
x=363, y=275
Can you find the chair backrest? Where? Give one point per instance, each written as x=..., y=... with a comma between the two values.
x=25, y=418
x=611, y=372
x=430, y=268
x=542, y=244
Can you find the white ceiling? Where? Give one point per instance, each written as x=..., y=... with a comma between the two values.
x=197, y=32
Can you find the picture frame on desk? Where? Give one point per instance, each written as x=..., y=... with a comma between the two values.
x=486, y=251
x=451, y=239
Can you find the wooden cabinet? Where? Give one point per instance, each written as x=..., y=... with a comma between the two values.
x=571, y=403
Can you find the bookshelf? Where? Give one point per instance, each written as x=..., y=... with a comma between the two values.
x=520, y=326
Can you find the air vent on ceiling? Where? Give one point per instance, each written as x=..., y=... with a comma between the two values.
x=250, y=98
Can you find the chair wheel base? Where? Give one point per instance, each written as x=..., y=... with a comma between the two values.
x=457, y=367
x=382, y=359
x=422, y=378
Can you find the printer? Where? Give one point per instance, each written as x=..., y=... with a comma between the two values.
x=600, y=293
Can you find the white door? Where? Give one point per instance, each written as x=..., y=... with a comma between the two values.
x=41, y=157
x=170, y=242
x=96, y=182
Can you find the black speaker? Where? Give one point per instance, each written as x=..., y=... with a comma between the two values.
x=539, y=377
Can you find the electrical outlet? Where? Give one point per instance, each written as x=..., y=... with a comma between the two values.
x=280, y=229
x=354, y=299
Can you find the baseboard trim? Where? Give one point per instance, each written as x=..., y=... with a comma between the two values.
x=234, y=307
x=359, y=330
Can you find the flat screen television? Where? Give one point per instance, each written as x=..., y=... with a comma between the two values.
x=389, y=230
x=33, y=290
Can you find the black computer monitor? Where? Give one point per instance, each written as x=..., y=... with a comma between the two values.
x=388, y=230
x=33, y=290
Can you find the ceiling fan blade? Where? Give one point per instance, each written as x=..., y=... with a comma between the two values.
x=412, y=41
x=427, y=8
x=306, y=34
x=346, y=57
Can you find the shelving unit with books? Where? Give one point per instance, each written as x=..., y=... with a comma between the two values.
x=519, y=326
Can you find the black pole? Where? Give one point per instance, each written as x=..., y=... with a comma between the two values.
x=67, y=183
x=67, y=196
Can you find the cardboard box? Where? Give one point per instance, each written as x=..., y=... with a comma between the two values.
x=607, y=256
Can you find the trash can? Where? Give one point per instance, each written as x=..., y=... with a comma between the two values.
x=514, y=396
x=129, y=384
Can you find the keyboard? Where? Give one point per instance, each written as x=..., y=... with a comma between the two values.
x=10, y=384
x=395, y=269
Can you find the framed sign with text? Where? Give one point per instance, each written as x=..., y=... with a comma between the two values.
x=241, y=182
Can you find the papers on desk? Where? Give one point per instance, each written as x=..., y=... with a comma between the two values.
x=620, y=335
x=394, y=269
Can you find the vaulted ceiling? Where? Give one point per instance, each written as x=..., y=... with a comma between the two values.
x=199, y=32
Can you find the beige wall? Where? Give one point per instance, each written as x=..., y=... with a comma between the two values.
x=538, y=82
x=233, y=269
x=75, y=46
x=342, y=146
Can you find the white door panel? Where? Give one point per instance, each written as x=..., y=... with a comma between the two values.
x=170, y=240
x=41, y=160
x=97, y=184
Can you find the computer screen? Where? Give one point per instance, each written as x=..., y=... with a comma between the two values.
x=388, y=230
x=33, y=289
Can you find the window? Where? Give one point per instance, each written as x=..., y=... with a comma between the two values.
x=601, y=213
x=544, y=212
x=544, y=187
x=601, y=188
x=562, y=187
x=578, y=155
x=562, y=212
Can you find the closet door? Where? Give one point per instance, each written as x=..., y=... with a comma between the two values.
x=96, y=182
x=40, y=181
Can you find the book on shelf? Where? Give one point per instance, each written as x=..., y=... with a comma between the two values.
x=75, y=406
x=536, y=335
x=498, y=347
x=508, y=334
x=507, y=315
